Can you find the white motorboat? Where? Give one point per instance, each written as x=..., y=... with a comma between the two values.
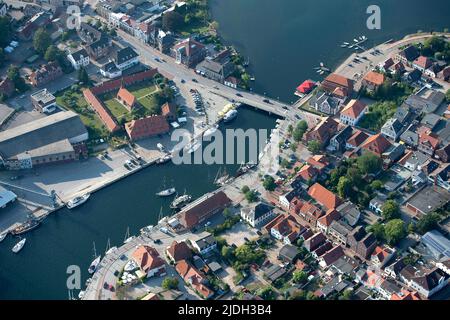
x=147, y=229
x=230, y=115
x=81, y=294
x=180, y=201
x=94, y=265
x=78, y=201
x=3, y=236
x=167, y=192
x=19, y=245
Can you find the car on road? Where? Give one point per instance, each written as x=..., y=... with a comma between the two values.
x=298, y=117
x=194, y=80
x=266, y=100
x=183, y=81
x=239, y=95
x=157, y=59
x=157, y=241
x=285, y=107
x=13, y=178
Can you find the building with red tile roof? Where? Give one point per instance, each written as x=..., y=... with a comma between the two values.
x=356, y=139
x=195, y=278
x=306, y=87
x=372, y=80
x=338, y=85
x=318, y=161
x=324, y=222
x=376, y=144
x=179, y=251
x=428, y=142
x=353, y=112
x=323, y=131
x=286, y=229
x=146, y=127
x=422, y=63
x=149, y=261
x=331, y=256
x=406, y=295
x=305, y=212
x=203, y=209
x=324, y=196
x=107, y=118
x=307, y=173
x=126, y=98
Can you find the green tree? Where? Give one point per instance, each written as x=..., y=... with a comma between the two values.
x=172, y=21
x=347, y=295
x=368, y=163
x=299, y=277
x=447, y=95
x=227, y=253
x=378, y=231
x=344, y=187
x=13, y=74
x=83, y=76
x=251, y=196
x=51, y=54
x=170, y=283
x=394, y=230
x=5, y=31
x=267, y=293
x=376, y=185
x=427, y=222
x=41, y=41
x=294, y=146
x=390, y=210
x=245, y=189
x=314, y=146
x=269, y=183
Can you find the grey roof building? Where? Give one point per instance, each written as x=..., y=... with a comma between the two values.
x=258, y=215
x=52, y=134
x=392, y=129
x=438, y=244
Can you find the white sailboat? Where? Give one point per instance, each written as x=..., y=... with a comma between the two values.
x=109, y=249
x=94, y=264
x=3, y=236
x=128, y=238
x=166, y=192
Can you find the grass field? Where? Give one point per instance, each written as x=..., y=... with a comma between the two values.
x=74, y=100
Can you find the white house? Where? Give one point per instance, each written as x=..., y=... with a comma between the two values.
x=353, y=112
x=126, y=58
x=79, y=59
x=205, y=243
x=258, y=215
x=110, y=70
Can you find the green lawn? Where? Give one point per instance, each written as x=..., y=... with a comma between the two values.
x=117, y=109
x=75, y=101
x=142, y=89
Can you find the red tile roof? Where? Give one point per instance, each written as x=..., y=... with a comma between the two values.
x=306, y=86
x=194, y=277
x=318, y=161
x=146, y=127
x=406, y=295
x=324, y=196
x=307, y=172
x=107, y=119
x=376, y=144
x=353, y=109
x=147, y=258
x=126, y=96
x=423, y=62
x=357, y=138
x=429, y=138
x=169, y=109
x=179, y=251
x=375, y=78
x=330, y=216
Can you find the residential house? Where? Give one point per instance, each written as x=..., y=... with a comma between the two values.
x=382, y=255
x=339, y=141
x=339, y=231
x=286, y=229
x=305, y=212
x=217, y=68
x=372, y=81
x=386, y=65
x=422, y=63
x=288, y=253
x=338, y=85
x=205, y=243
x=407, y=55
x=179, y=251
x=324, y=222
x=146, y=127
x=428, y=200
x=326, y=103
x=324, y=197
x=392, y=129
x=149, y=261
x=406, y=295
x=353, y=112
x=286, y=199
x=393, y=270
x=443, y=154
x=331, y=256
x=424, y=104
x=79, y=59
x=445, y=74
x=231, y=82
x=428, y=142
x=146, y=32
x=99, y=48
x=349, y=213
x=110, y=70
x=426, y=282
x=323, y=131
x=361, y=242
x=189, y=52
x=164, y=41
x=444, y=266
x=356, y=140
x=377, y=203
x=45, y=74
x=38, y=20
x=305, y=88
x=314, y=242
x=440, y=177
x=125, y=58
x=307, y=174
x=376, y=144
x=258, y=215
x=195, y=278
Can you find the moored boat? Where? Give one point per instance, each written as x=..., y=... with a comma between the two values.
x=25, y=227
x=180, y=201
x=166, y=193
x=210, y=131
x=230, y=116
x=77, y=201
x=94, y=265
x=19, y=245
x=3, y=236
